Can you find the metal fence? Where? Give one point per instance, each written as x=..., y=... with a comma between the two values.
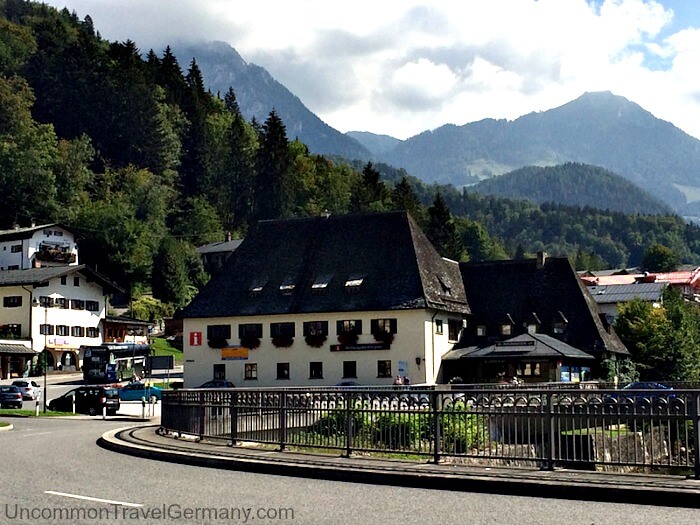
x=586, y=428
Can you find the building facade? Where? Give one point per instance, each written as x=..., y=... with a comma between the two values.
x=355, y=299
x=37, y=246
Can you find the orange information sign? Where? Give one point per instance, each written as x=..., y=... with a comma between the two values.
x=233, y=353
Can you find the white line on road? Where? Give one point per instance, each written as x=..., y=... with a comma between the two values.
x=88, y=498
x=36, y=434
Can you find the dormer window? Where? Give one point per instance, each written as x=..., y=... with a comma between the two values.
x=560, y=324
x=507, y=325
x=481, y=331
x=288, y=285
x=321, y=282
x=532, y=324
x=256, y=287
x=446, y=288
x=354, y=282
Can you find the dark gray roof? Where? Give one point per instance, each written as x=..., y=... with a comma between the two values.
x=619, y=293
x=520, y=288
x=220, y=246
x=310, y=265
x=127, y=320
x=521, y=346
x=16, y=349
x=37, y=276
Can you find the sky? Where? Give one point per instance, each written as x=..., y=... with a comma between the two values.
x=401, y=67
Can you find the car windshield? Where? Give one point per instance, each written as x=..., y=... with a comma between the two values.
x=20, y=383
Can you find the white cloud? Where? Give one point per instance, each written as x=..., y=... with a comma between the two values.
x=400, y=67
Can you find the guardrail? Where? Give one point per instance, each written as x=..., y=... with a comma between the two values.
x=602, y=429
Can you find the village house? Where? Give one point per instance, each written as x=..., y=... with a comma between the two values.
x=37, y=246
x=326, y=300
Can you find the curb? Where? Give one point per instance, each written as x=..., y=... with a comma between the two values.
x=6, y=428
x=555, y=488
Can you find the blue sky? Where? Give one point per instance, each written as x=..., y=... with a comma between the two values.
x=400, y=67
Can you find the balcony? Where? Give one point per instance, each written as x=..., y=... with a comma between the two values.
x=55, y=254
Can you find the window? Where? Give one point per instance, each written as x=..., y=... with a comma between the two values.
x=315, y=370
x=354, y=282
x=62, y=302
x=77, y=304
x=383, y=326
x=12, y=301
x=282, y=330
x=219, y=331
x=77, y=331
x=251, y=371
x=321, y=282
x=506, y=329
x=92, y=306
x=92, y=331
x=288, y=285
x=219, y=371
x=62, y=329
x=314, y=328
x=349, y=327
x=384, y=368
x=349, y=369
x=454, y=327
x=46, y=329
x=76, y=281
x=64, y=279
x=10, y=331
x=250, y=330
x=438, y=326
x=46, y=301
x=256, y=287
x=530, y=369
x=282, y=370
x=481, y=330
x=16, y=248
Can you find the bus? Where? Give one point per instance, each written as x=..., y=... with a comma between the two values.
x=111, y=362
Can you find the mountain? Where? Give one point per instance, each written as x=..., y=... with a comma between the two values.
x=600, y=129
x=258, y=93
x=573, y=184
x=376, y=144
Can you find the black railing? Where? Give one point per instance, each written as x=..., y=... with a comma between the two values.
x=588, y=428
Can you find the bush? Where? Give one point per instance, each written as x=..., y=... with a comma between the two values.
x=462, y=431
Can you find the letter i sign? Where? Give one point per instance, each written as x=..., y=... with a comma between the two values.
x=195, y=338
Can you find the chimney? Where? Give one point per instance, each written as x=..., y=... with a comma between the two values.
x=541, y=259
x=228, y=236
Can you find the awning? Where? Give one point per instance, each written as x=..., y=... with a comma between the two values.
x=6, y=349
x=520, y=347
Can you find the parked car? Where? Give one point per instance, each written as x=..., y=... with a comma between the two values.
x=30, y=389
x=88, y=400
x=10, y=396
x=640, y=392
x=217, y=383
x=137, y=391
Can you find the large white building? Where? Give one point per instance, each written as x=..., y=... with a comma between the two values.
x=326, y=300
x=56, y=309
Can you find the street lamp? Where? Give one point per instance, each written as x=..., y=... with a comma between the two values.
x=46, y=361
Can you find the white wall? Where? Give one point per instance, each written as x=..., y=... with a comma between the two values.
x=414, y=338
x=23, y=259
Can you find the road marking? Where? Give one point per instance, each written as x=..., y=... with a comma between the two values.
x=37, y=434
x=89, y=498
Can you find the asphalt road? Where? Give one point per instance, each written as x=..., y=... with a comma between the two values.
x=54, y=473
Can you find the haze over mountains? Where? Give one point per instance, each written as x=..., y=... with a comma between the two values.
x=599, y=129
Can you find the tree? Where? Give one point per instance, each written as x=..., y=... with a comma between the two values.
x=370, y=193
x=442, y=231
x=658, y=258
x=272, y=195
x=403, y=197
x=169, y=279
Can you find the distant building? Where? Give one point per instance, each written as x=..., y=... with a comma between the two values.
x=609, y=296
x=215, y=254
x=37, y=246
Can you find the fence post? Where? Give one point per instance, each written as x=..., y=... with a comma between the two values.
x=696, y=433
x=202, y=414
x=436, y=426
x=349, y=431
x=234, y=418
x=549, y=461
x=283, y=420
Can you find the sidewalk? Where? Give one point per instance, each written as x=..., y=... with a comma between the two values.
x=146, y=442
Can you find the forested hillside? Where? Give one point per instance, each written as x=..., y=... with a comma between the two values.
x=573, y=184
x=129, y=149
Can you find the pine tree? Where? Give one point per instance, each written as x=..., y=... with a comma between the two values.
x=272, y=194
x=442, y=231
x=404, y=198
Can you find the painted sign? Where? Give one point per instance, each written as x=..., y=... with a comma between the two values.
x=195, y=338
x=358, y=346
x=234, y=353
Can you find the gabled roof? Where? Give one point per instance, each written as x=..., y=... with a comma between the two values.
x=220, y=246
x=362, y=262
x=27, y=232
x=522, y=287
x=39, y=276
x=522, y=346
x=620, y=293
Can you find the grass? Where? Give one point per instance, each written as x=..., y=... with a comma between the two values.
x=161, y=346
x=610, y=431
x=4, y=424
x=19, y=412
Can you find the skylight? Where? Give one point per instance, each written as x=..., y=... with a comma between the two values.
x=257, y=285
x=321, y=282
x=354, y=280
x=288, y=285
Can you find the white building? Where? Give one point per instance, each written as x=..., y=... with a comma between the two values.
x=325, y=300
x=58, y=309
x=37, y=246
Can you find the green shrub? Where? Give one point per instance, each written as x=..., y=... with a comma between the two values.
x=462, y=431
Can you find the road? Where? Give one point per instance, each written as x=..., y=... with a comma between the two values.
x=54, y=473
